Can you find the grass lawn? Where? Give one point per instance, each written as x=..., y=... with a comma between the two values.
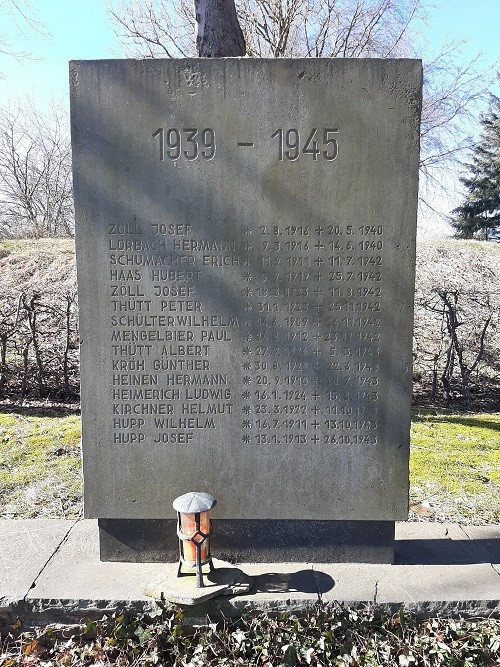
x=454, y=466
x=40, y=466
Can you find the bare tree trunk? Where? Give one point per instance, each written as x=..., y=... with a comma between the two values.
x=31, y=309
x=67, y=347
x=3, y=363
x=24, y=386
x=218, y=32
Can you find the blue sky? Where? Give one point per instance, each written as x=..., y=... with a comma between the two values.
x=82, y=29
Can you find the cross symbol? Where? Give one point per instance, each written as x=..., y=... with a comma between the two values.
x=316, y=352
x=318, y=276
x=315, y=409
x=315, y=424
x=316, y=381
x=318, y=307
x=318, y=291
x=316, y=395
x=319, y=261
x=319, y=245
x=315, y=438
x=319, y=230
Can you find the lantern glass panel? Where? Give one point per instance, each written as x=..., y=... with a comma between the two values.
x=188, y=528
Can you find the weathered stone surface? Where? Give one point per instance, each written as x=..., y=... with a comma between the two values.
x=25, y=547
x=246, y=541
x=76, y=573
x=245, y=245
x=446, y=544
x=224, y=579
x=75, y=585
x=486, y=541
x=242, y=585
x=438, y=583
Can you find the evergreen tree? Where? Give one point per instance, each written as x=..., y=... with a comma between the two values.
x=480, y=212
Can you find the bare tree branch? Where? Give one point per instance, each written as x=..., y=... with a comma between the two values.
x=332, y=28
x=35, y=175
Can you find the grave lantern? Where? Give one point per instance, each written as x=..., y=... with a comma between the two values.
x=194, y=528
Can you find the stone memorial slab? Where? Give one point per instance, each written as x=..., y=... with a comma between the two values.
x=245, y=245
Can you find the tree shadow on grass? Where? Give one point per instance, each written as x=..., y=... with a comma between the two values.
x=34, y=409
x=427, y=417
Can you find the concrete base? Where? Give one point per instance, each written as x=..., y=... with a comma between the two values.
x=51, y=572
x=243, y=541
x=223, y=579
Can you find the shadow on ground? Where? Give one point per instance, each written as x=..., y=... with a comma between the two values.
x=447, y=552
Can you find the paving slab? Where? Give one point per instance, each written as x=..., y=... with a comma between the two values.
x=25, y=547
x=224, y=579
x=425, y=530
x=446, y=544
x=52, y=567
x=487, y=540
x=475, y=587
x=76, y=573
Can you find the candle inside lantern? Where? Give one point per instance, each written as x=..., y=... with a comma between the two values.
x=188, y=528
x=194, y=528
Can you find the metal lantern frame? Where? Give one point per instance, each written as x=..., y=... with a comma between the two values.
x=196, y=503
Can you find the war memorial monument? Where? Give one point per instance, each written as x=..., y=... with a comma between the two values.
x=246, y=257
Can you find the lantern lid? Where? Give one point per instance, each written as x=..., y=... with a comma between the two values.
x=194, y=501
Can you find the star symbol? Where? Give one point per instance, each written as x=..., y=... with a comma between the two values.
x=247, y=246
x=247, y=365
x=247, y=277
x=246, y=439
x=247, y=350
x=247, y=231
x=247, y=337
x=246, y=409
x=247, y=379
x=247, y=291
x=246, y=395
x=247, y=423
